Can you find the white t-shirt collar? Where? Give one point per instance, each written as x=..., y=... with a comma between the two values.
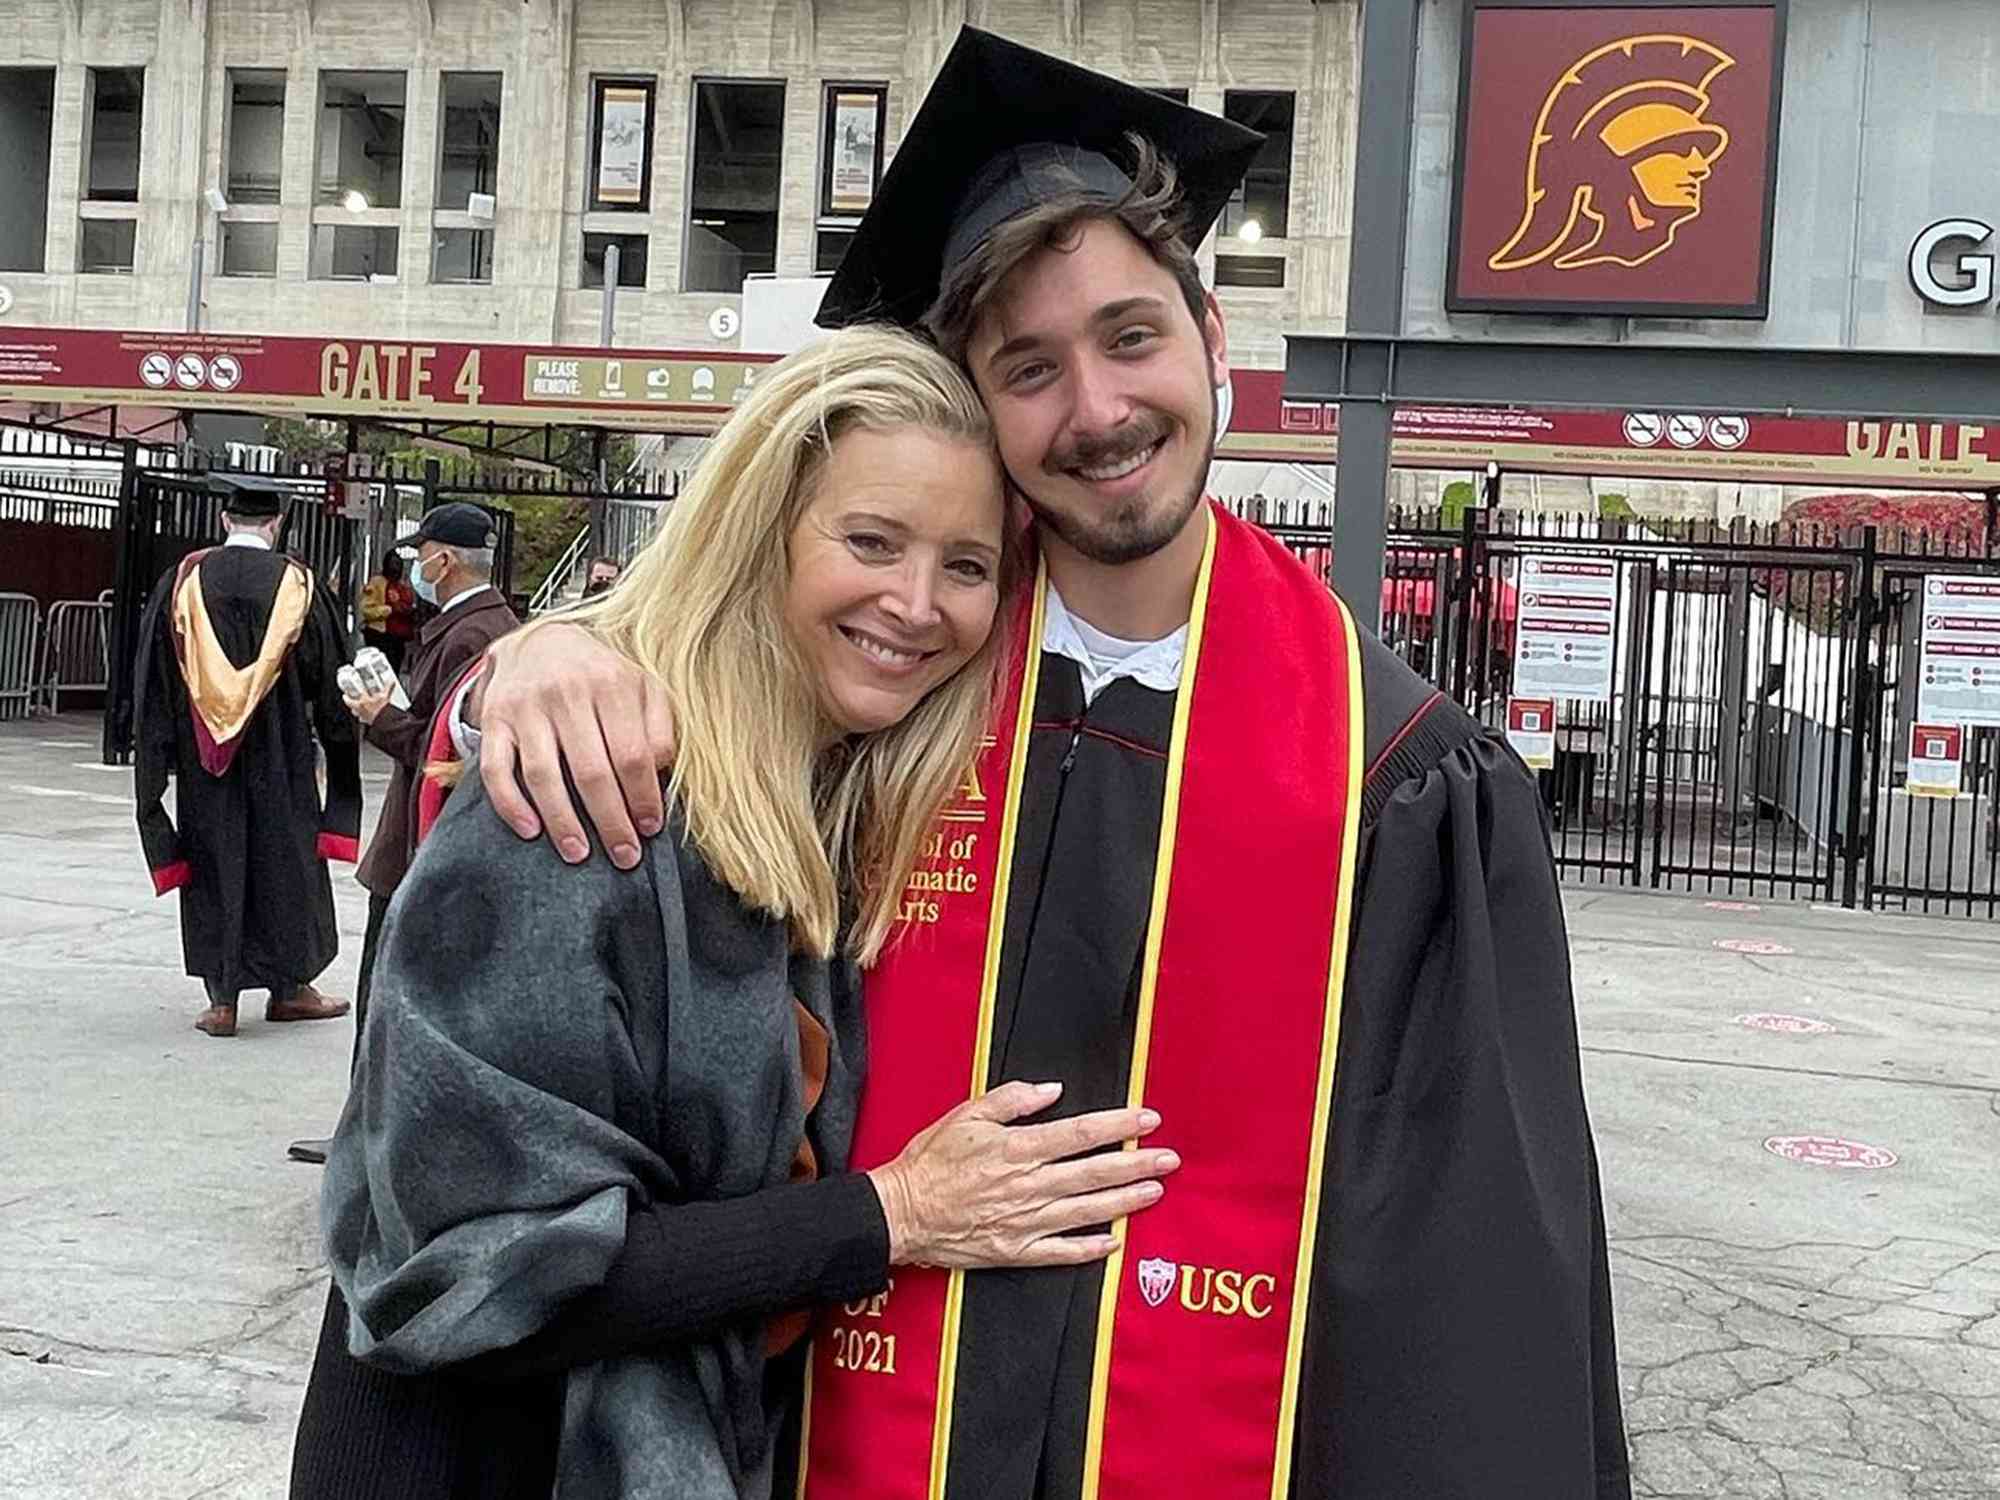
x=1104, y=659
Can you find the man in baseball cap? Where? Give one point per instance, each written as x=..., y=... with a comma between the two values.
x=452, y=571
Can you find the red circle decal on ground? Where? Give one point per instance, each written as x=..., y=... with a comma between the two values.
x=1765, y=1020
x=1752, y=945
x=1830, y=1151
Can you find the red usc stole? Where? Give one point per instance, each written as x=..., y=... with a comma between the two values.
x=1194, y=1390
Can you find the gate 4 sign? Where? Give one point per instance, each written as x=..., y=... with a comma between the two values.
x=1568, y=632
x=1937, y=760
x=1959, y=680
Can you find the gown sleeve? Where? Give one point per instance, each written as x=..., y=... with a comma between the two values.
x=1461, y=1342
x=156, y=700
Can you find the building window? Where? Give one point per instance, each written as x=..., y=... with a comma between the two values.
x=468, y=138
x=1259, y=208
x=256, y=136
x=732, y=220
x=27, y=130
x=852, y=118
x=354, y=252
x=117, y=105
x=621, y=145
x=462, y=256
x=249, y=249
x=106, y=246
x=360, y=141
x=1249, y=270
x=631, y=258
x=830, y=250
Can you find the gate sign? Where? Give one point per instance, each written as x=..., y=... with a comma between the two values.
x=1531, y=730
x=1568, y=635
x=1937, y=760
x=1959, y=679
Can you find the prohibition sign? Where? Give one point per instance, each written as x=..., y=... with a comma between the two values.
x=225, y=372
x=1684, y=431
x=156, y=370
x=1728, y=432
x=1643, y=428
x=190, y=372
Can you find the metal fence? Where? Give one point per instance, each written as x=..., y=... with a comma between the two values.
x=76, y=654
x=1755, y=741
x=20, y=636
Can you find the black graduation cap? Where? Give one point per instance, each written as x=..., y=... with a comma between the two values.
x=249, y=494
x=1005, y=127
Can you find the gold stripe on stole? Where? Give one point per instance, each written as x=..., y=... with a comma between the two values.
x=1149, y=984
x=989, y=985
x=1329, y=1050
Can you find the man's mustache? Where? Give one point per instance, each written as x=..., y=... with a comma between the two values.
x=1091, y=452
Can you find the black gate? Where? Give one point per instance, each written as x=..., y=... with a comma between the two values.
x=1756, y=738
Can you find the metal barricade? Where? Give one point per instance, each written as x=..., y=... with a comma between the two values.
x=20, y=638
x=75, y=651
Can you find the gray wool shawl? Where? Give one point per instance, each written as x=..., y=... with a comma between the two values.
x=549, y=1049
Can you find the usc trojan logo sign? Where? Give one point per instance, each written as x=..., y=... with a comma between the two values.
x=1620, y=155
x=1616, y=159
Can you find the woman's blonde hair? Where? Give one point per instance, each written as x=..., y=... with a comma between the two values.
x=788, y=825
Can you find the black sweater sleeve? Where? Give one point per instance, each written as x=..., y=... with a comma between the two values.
x=689, y=1269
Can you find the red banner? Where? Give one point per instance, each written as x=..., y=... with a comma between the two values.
x=411, y=379
x=1641, y=445
x=689, y=391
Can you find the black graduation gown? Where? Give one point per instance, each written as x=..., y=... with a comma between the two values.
x=257, y=904
x=1459, y=1341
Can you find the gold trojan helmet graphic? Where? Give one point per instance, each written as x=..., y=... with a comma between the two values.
x=1621, y=150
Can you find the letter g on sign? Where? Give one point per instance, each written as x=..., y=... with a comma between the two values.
x=1976, y=289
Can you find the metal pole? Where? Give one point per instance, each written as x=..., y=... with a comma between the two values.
x=1375, y=295
x=597, y=505
x=194, y=284
x=1854, y=847
x=371, y=523
x=610, y=311
x=1735, y=677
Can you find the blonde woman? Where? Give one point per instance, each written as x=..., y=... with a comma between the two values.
x=590, y=1182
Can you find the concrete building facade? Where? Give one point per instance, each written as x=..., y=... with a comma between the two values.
x=331, y=155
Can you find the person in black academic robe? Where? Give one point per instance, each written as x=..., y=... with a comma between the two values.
x=1459, y=1108
x=250, y=835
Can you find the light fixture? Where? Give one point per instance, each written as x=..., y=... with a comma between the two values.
x=1250, y=231
x=354, y=201
x=215, y=198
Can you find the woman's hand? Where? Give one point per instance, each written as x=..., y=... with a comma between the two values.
x=976, y=1190
x=556, y=695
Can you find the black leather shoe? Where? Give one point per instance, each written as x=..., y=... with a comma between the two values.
x=309, y=1151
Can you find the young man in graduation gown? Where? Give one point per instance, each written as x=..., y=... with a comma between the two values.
x=1226, y=857
x=235, y=681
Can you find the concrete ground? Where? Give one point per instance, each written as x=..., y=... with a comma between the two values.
x=1789, y=1329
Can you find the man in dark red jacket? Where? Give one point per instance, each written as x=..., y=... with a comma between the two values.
x=453, y=570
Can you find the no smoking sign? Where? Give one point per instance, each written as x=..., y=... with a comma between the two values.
x=1643, y=428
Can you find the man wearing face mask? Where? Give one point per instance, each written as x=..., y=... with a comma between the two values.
x=452, y=571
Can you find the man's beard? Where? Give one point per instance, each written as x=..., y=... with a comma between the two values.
x=1142, y=525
